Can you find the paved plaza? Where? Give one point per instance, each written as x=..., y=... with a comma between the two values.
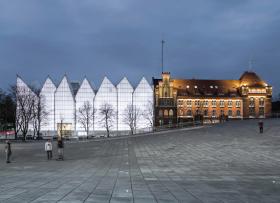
x=225, y=163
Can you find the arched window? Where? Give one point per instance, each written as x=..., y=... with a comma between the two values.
x=165, y=113
x=160, y=113
x=238, y=113
x=170, y=112
x=205, y=112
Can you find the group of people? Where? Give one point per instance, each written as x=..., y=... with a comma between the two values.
x=48, y=149
x=60, y=149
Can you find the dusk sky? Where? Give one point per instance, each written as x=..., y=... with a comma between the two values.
x=204, y=39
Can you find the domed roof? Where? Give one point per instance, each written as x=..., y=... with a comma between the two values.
x=249, y=78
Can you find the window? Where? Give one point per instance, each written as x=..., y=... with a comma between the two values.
x=261, y=111
x=213, y=113
x=181, y=112
x=165, y=113
x=197, y=112
x=170, y=112
x=252, y=102
x=230, y=103
x=205, y=103
x=180, y=102
x=222, y=113
x=222, y=103
x=261, y=102
x=160, y=113
x=165, y=94
x=205, y=112
x=238, y=104
x=189, y=113
x=214, y=103
x=197, y=102
x=238, y=113
x=251, y=111
x=230, y=113
x=189, y=102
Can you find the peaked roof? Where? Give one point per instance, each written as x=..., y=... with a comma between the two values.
x=143, y=81
x=125, y=81
x=85, y=81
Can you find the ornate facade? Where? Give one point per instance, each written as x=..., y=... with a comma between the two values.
x=179, y=100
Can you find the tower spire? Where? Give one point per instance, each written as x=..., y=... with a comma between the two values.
x=162, y=44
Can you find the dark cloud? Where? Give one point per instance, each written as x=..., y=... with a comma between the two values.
x=204, y=39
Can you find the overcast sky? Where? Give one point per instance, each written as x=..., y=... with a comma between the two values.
x=204, y=39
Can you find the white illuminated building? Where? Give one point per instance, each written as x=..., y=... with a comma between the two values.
x=64, y=102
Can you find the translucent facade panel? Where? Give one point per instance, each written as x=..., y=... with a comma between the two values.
x=47, y=101
x=64, y=105
x=84, y=95
x=125, y=91
x=143, y=100
x=107, y=94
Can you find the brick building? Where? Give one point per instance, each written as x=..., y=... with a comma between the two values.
x=180, y=100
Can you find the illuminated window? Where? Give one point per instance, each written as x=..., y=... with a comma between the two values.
x=238, y=104
x=222, y=103
x=214, y=103
x=230, y=103
x=170, y=112
x=261, y=102
x=252, y=102
x=165, y=113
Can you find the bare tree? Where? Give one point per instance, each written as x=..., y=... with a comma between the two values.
x=25, y=100
x=107, y=117
x=131, y=116
x=85, y=116
x=40, y=114
x=148, y=113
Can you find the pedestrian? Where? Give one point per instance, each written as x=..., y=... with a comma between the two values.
x=8, y=151
x=48, y=149
x=60, y=147
x=261, y=126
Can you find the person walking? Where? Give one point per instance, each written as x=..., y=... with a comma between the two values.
x=60, y=148
x=48, y=149
x=261, y=126
x=8, y=151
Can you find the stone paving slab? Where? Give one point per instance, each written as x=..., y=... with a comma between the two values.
x=228, y=163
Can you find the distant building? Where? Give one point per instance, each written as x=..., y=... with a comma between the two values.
x=179, y=100
x=63, y=101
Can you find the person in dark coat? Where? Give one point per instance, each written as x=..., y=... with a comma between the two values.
x=8, y=151
x=261, y=126
x=60, y=148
